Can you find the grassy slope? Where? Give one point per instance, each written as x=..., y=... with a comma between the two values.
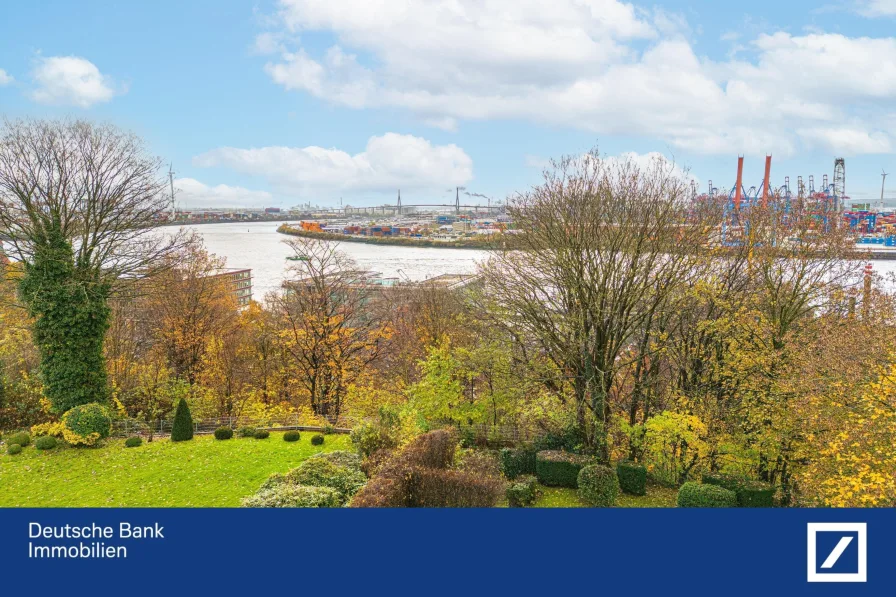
x=201, y=472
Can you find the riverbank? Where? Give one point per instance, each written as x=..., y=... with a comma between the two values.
x=481, y=244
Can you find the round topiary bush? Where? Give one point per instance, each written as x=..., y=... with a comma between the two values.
x=223, y=433
x=291, y=436
x=317, y=440
x=598, y=485
x=262, y=434
x=22, y=438
x=632, y=477
x=247, y=431
x=698, y=495
x=85, y=425
x=133, y=441
x=182, y=429
x=13, y=449
x=47, y=442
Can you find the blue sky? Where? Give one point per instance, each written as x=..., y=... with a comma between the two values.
x=288, y=101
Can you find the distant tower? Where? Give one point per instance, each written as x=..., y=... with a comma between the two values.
x=399, y=201
x=171, y=181
x=839, y=182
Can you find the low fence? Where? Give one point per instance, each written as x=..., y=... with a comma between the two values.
x=127, y=427
x=497, y=435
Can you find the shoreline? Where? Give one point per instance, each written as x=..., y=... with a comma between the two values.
x=389, y=241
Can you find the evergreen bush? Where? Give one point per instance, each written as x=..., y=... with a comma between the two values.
x=291, y=436
x=317, y=440
x=47, y=442
x=182, y=430
x=223, y=433
x=555, y=468
x=750, y=494
x=284, y=495
x=598, y=485
x=698, y=495
x=522, y=492
x=22, y=438
x=133, y=441
x=85, y=425
x=13, y=449
x=632, y=477
x=340, y=458
x=247, y=431
x=262, y=434
x=517, y=461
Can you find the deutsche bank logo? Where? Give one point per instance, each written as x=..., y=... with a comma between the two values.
x=837, y=551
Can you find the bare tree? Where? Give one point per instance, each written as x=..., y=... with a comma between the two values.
x=77, y=204
x=605, y=247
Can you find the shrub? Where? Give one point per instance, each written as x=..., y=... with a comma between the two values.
x=698, y=495
x=516, y=462
x=133, y=441
x=569, y=439
x=559, y=469
x=223, y=433
x=598, y=485
x=632, y=477
x=284, y=495
x=375, y=461
x=368, y=438
x=55, y=429
x=182, y=429
x=485, y=462
x=291, y=436
x=46, y=442
x=523, y=492
x=750, y=494
x=433, y=450
x=328, y=430
x=317, y=472
x=85, y=425
x=340, y=458
x=247, y=431
x=13, y=449
x=262, y=434
x=317, y=440
x=446, y=488
x=23, y=439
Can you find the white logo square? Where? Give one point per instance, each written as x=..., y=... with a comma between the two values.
x=816, y=573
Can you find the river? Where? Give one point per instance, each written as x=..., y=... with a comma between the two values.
x=260, y=247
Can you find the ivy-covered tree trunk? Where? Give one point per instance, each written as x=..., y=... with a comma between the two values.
x=70, y=307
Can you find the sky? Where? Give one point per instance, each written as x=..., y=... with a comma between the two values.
x=284, y=102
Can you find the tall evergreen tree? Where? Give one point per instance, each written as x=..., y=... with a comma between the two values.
x=182, y=429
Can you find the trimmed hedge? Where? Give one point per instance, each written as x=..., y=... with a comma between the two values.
x=133, y=441
x=47, y=442
x=517, y=461
x=632, y=477
x=555, y=468
x=523, y=492
x=223, y=433
x=292, y=436
x=182, y=430
x=284, y=495
x=598, y=485
x=247, y=431
x=750, y=494
x=22, y=438
x=317, y=440
x=13, y=449
x=261, y=434
x=698, y=495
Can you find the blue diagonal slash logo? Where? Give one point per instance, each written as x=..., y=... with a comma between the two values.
x=837, y=552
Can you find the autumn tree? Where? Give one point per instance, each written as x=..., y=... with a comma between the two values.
x=327, y=331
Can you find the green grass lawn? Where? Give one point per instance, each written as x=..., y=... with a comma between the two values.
x=564, y=497
x=200, y=472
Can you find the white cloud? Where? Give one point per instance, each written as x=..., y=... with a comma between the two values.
x=191, y=193
x=876, y=8
x=583, y=64
x=388, y=162
x=71, y=80
x=5, y=78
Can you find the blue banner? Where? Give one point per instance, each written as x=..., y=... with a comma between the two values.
x=715, y=552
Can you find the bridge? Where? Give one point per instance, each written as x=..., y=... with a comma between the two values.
x=457, y=205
